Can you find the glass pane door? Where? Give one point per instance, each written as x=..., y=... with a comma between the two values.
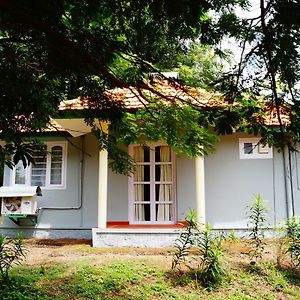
x=142, y=190
x=153, y=199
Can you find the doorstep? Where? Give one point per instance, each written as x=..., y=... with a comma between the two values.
x=131, y=236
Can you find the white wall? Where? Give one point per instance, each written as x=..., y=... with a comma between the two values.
x=74, y=217
x=185, y=186
x=230, y=185
x=117, y=194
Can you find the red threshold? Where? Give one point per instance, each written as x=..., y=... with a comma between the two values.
x=124, y=224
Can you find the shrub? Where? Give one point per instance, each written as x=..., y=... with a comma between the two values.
x=185, y=241
x=292, y=230
x=257, y=216
x=11, y=252
x=232, y=237
x=209, y=252
x=200, y=251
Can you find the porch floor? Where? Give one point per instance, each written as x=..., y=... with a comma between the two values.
x=122, y=234
x=126, y=225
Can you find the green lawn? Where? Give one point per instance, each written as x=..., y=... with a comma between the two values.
x=143, y=276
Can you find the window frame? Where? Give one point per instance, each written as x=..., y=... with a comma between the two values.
x=152, y=183
x=258, y=150
x=48, y=185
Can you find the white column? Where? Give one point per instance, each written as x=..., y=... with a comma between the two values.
x=102, y=189
x=200, y=191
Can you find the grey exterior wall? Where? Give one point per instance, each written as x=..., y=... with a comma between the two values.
x=230, y=185
x=74, y=217
x=118, y=191
x=296, y=180
x=293, y=182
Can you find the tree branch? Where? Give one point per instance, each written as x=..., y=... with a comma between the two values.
x=267, y=44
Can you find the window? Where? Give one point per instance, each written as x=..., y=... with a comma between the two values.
x=251, y=149
x=151, y=188
x=49, y=169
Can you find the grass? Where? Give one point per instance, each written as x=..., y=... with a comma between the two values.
x=142, y=277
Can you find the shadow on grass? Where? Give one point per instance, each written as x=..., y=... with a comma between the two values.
x=21, y=288
x=42, y=283
x=264, y=269
x=194, y=279
x=291, y=274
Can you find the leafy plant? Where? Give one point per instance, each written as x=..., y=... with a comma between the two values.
x=11, y=252
x=257, y=216
x=293, y=240
x=185, y=240
x=209, y=253
x=200, y=251
x=232, y=237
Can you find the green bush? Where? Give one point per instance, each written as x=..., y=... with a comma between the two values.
x=257, y=216
x=209, y=257
x=292, y=230
x=11, y=252
x=185, y=241
x=200, y=252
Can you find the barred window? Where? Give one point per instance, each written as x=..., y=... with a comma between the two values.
x=48, y=169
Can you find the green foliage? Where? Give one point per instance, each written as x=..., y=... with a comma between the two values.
x=52, y=51
x=185, y=241
x=199, y=67
x=200, y=251
x=292, y=230
x=232, y=237
x=11, y=252
x=267, y=67
x=56, y=51
x=209, y=257
x=257, y=216
x=22, y=288
x=179, y=126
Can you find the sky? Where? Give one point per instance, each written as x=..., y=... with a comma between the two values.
x=231, y=44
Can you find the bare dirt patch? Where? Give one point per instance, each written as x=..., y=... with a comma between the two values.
x=42, y=251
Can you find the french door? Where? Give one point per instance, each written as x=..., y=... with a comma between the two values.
x=151, y=187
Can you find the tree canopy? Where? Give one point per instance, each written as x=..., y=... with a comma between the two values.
x=268, y=67
x=56, y=50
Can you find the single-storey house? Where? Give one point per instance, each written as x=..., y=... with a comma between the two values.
x=83, y=198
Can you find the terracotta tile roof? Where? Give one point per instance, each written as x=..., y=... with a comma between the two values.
x=271, y=118
x=74, y=104
x=53, y=126
x=133, y=98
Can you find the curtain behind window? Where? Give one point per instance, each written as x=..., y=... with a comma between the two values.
x=139, y=211
x=164, y=210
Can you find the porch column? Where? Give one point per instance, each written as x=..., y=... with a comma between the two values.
x=102, y=189
x=200, y=191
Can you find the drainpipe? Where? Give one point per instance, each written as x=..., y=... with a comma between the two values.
x=274, y=193
x=286, y=186
x=291, y=182
x=80, y=190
